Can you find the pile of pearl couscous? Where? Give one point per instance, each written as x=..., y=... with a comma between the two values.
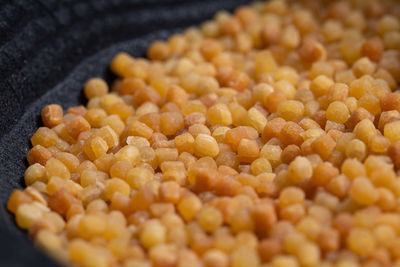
x=267, y=137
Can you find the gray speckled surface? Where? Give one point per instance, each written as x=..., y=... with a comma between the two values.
x=48, y=49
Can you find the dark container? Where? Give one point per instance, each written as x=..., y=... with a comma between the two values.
x=48, y=49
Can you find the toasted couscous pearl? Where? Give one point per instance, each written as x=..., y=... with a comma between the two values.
x=266, y=137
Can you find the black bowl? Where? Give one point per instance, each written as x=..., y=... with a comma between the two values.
x=48, y=49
